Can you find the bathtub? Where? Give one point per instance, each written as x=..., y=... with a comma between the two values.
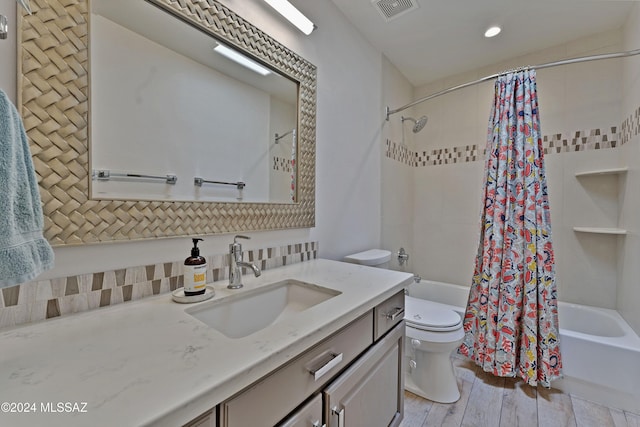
x=600, y=351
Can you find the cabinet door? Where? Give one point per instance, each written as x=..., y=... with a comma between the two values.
x=310, y=415
x=273, y=397
x=370, y=393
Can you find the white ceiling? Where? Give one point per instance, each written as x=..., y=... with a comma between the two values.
x=446, y=37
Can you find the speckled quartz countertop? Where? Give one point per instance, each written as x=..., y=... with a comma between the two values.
x=150, y=363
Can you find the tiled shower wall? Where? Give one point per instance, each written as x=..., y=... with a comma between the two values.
x=40, y=300
x=448, y=200
x=593, y=139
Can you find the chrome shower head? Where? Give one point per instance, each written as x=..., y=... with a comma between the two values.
x=418, y=124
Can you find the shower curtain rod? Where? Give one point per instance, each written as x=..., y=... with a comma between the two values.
x=493, y=76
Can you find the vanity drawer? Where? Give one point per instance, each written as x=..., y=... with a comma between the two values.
x=272, y=398
x=310, y=415
x=387, y=314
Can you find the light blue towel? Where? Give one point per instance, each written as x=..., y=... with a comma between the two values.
x=24, y=252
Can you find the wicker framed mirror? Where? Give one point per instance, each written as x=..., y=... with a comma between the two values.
x=53, y=95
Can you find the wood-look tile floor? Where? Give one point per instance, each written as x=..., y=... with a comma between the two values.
x=488, y=401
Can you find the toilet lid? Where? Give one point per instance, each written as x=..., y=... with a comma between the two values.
x=370, y=257
x=430, y=316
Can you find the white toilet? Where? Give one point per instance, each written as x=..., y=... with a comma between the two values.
x=433, y=331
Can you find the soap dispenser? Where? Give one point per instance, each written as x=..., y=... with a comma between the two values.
x=195, y=272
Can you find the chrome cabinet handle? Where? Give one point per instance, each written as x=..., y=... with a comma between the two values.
x=340, y=415
x=318, y=424
x=326, y=366
x=393, y=315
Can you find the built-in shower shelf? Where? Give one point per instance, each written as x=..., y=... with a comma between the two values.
x=612, y=171
x=600, y=230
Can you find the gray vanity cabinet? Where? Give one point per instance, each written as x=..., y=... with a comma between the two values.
x=353, y=378
x=275, y=396
x=370, y=392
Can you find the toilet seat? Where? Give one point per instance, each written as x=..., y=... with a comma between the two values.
x=429, y=316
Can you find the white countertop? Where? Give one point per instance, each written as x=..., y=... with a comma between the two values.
x=149, y=363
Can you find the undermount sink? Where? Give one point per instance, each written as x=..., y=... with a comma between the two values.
x=251, y=311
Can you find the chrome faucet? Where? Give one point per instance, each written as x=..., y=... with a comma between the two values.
x=235, y=255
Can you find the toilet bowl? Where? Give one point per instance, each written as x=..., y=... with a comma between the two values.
x=432, y=333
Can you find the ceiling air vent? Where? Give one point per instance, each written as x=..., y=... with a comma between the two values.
x=391, y=9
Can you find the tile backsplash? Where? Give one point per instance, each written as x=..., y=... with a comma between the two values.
x=39, y=300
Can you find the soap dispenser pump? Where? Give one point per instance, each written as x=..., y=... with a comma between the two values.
x=195, y=271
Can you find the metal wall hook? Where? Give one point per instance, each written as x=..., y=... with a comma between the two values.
x=4, y=27
x=279, y=137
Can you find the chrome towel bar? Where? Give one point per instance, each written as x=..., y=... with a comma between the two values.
x=199, y=181
x=106, y=175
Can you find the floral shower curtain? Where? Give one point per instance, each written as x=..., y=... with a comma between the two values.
x=511, y=320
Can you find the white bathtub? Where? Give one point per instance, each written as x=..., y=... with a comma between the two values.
x=600, y=351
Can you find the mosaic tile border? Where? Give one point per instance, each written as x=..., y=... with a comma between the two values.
x=594, y=139
x=282, y=164
x=580, y=141
x=46, y=299
x=400, y=152
x=630, y=127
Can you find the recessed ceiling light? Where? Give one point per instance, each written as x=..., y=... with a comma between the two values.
x=492, y=32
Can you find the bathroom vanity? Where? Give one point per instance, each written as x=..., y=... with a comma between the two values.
x=154, y=362
x=370, y=391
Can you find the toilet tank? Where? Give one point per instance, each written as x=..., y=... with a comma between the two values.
x=373, y=257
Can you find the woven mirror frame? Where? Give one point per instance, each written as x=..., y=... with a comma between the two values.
x=53, y=96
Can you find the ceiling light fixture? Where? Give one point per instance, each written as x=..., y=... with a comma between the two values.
x=492, y=32
x=241, y=59
x=292, y=14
